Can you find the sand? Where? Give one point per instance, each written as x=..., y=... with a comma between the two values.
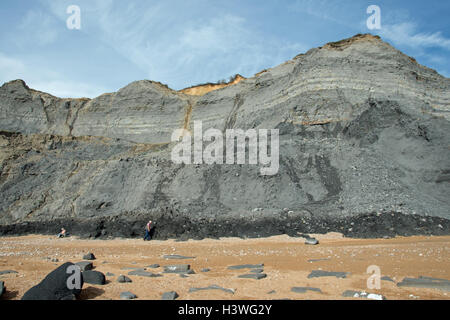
x=287, y=263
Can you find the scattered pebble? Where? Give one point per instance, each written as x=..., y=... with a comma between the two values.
x=172, y=295
x=127, y=295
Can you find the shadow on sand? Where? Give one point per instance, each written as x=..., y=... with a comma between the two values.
x=91, y=293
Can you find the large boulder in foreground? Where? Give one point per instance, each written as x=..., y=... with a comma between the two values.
x=94, y=277
x=54, y=286
x=85, y=265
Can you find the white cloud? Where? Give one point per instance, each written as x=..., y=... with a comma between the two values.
x=214, y=49
x=10, y=68
x=405, y=34
x=38, y=28
x=436, y=59
x=66, y=88
x=324, y=9
x=177, y=48
x=427, y=47
x=45, y=80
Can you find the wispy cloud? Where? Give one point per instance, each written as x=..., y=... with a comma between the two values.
x=182, y=43
x=38, y=78
x=10, y=68
x=171, y=46
x=65, y=88
x=406, y=34
x=36, y=27
x=332, y=11
x=429, y=48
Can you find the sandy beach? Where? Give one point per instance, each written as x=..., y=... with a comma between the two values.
x=287, y=263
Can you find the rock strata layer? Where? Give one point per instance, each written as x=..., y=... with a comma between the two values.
x=364, y=137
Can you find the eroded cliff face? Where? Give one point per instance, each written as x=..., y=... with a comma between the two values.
x=202, y=89
x=364, y=139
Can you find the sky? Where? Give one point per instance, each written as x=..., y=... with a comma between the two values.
x=183, y=43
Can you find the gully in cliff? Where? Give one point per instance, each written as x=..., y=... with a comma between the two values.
x=259, y=152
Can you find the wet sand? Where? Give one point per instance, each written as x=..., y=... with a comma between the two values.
x=287, y=263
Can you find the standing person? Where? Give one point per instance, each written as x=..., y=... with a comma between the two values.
x=62, y=234
x=148, y=227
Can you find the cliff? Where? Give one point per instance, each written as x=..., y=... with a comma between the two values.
x=364, y=150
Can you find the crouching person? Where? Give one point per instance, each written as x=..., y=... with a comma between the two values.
x=62, y=234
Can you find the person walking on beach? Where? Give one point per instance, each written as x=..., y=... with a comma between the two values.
x=148, y=227
x=62, y=234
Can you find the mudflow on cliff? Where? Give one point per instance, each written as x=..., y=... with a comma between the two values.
x=364, y=150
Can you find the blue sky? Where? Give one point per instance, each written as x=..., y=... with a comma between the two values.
x=186, y=42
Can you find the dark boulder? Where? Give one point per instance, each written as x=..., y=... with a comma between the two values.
x=256, y=276
x=311, y=241
x=55, y=286
x=142, y=273
x=89, y=256
x=177, y=256
x=85, y=265
x=123, y=279
x=246, y=266
x=257, y=271
x=323, y=273
x=305, y=289
x=172, y=295
x=425, y=282
x=94, y=277
x=2, y=288
x=7, y=272
x=386, y=278
x=212, y=287
x=127, y=295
